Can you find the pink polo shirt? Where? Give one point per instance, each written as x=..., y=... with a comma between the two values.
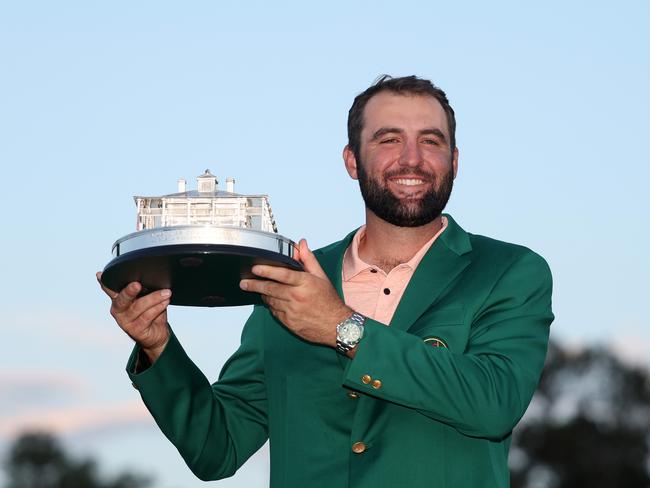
x=368, y=289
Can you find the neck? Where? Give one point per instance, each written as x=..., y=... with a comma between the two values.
x=386, y=245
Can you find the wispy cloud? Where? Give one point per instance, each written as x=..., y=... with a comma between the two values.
x=59, y=402
x=77, y=419
x=26, y=390
x=67, y=326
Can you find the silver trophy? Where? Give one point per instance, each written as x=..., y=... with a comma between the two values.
x=199, y=244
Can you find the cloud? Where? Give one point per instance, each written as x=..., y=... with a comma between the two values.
x=59, y=402
x=68, y=326
x=77, y=419
x=23, y=390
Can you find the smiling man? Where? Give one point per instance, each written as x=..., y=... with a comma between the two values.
x=403, y=355
x=414, y=159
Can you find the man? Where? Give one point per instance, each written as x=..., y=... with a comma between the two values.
x=403, y=355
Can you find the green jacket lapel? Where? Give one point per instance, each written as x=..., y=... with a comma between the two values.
x=444, y=261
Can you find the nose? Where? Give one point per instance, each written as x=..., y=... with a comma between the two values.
x=411, y=155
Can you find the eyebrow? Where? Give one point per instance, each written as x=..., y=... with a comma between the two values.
x=395, y=130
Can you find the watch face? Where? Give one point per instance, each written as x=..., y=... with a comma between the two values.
x=350, y=333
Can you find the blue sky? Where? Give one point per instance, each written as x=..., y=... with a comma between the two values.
x=103, y=101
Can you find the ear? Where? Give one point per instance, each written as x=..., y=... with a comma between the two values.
x=454, y=161
x=350, y=162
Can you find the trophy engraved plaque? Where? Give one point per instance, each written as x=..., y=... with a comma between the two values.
x=199, y=244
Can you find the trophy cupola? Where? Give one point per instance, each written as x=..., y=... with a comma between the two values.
x=207, y=205
x=207, y=182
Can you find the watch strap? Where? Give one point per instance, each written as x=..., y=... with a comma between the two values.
x=342, y=346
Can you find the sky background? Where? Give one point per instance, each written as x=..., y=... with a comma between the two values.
x=100, y=101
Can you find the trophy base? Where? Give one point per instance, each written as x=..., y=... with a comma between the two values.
x=199, y=275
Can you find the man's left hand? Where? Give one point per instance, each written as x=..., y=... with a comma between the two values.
x=304, y=301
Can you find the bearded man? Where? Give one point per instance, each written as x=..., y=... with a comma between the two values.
x=403, y=355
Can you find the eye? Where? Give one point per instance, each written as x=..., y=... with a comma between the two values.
x=390, y=140
x=431, y=141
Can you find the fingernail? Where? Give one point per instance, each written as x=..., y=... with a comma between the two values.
x=165, y=293
x=243, y=285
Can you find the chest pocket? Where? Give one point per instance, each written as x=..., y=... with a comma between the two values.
x=443, y=328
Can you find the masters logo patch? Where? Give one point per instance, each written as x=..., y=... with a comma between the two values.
x=435, y=342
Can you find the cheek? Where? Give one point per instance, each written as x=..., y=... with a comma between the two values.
x=440, y=161
x=380, y=159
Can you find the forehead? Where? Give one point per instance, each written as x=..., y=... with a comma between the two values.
x=415, y=112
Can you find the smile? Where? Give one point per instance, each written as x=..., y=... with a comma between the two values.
x=409, y=181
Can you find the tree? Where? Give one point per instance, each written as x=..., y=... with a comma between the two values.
x=37, y=460
x=588, y=425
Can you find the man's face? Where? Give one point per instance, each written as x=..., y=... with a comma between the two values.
x=405, y=166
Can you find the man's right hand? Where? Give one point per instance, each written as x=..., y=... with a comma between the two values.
x=143, y=319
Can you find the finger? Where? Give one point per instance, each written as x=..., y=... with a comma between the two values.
x=266, y=288
x=126, y=297
x=150, y=314
x=309, y=261
x=148, y=301
x=280, y=305
x=277, y=273
x=111, y=293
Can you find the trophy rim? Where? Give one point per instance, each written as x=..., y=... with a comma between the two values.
x=190, y=271
x=203, y=235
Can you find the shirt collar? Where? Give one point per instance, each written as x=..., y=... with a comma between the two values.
x=353, y=264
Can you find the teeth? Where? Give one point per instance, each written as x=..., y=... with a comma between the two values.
x=409, y=182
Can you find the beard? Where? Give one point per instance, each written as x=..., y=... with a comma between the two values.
x=405, y=212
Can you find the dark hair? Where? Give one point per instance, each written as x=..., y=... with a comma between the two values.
x=405, y=85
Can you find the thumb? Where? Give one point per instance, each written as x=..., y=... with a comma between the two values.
x=309, y=261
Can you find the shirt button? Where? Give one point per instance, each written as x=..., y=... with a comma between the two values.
x=353, y=394
x=376, y=384
x=386, y=291
x=358, y=447
x=373, y=270
x=366, y=378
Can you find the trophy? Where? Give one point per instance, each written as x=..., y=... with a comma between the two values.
x=199, y=244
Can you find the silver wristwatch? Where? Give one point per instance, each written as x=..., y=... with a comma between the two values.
x=349, y=333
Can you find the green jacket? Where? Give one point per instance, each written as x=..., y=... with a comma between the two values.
x=438, y=417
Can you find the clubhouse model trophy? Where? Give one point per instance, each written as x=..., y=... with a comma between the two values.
x=199, y=244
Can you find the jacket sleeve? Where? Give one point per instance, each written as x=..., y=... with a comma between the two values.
x=216, y=428
x=484, y=390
